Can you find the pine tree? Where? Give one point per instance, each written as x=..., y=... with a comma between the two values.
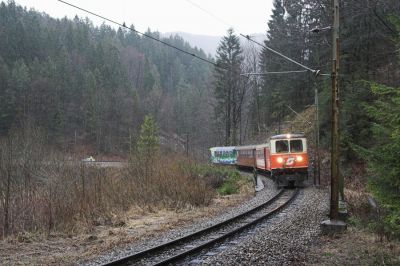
x=288, y=32
x=148, y=144
x=6, y=98
x=228, y=89
x=382, y=152
x=272, y=85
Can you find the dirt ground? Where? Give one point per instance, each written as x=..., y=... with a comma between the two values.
x=61, y=249
x=355, y=247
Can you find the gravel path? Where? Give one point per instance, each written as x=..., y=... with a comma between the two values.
x=283, y=240
x=260, y=197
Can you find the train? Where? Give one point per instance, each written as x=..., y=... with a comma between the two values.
x=284, y=157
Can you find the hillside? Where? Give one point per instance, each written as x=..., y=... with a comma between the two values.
x=83, y=84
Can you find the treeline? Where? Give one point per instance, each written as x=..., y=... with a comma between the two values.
x=93, y=85
x=367, y=53
x=253, y=106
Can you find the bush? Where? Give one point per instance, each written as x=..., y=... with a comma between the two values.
x=231, y=184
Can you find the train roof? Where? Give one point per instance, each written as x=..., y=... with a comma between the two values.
x=288, y=136
x=248, y=147
x=264, y=145
x=225, y=148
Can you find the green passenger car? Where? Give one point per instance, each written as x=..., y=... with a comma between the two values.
x=223, y=155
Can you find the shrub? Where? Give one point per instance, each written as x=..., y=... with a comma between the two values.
x=231, y=184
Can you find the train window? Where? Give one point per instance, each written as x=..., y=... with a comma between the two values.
x=296, y=145
x=281, y=146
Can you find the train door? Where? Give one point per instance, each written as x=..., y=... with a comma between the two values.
x=267, y=159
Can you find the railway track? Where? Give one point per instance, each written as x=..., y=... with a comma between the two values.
x=183, y=247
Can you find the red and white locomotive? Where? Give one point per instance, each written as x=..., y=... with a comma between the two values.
x=283, y=156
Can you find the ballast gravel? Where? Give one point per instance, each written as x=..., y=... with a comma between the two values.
x=283, y=240
x=267, y=193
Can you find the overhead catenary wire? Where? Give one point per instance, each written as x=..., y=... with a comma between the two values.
x=272, y=72
x=316, y=72
x=299, y=115
x=143, y=34
x=209, y=13
x=123, y=25
x=280, y=54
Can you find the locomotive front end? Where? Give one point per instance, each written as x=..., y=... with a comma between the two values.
x=289, y=159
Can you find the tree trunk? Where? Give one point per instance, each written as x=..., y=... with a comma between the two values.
x=7, y=192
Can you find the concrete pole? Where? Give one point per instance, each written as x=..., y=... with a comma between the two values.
x=335, y=157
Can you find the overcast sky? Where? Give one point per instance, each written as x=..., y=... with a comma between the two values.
x=209, y=17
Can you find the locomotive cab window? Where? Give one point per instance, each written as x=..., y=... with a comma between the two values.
x=282, y=146
x=296, y=145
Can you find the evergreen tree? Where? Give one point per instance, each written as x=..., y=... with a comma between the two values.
x=382, y=152
x=148, y=144
x=6, y=98
x=287, y=33
x=276, y=36
x=228, y=90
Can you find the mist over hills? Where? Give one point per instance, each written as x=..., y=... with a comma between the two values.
x=209, y=43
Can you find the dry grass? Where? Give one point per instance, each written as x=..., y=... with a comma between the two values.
x=355, y=247
x=44, y=192
x=139, y=224
x=171, y=182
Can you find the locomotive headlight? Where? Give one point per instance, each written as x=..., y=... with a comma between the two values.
x=279, y=160
x=299, y=158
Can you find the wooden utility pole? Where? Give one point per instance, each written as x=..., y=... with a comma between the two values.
x=334, y=208
x=317, y=166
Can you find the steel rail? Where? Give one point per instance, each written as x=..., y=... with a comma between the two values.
x=226, y=235
x=152, y=250
x=158, y=249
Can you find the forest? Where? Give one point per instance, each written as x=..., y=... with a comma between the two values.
x=90, y=85
x=89, y=88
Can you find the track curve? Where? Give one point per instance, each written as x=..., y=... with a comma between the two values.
x=193, y=243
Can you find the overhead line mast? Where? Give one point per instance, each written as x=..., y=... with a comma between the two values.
x=334, y=210
x=334, y=224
